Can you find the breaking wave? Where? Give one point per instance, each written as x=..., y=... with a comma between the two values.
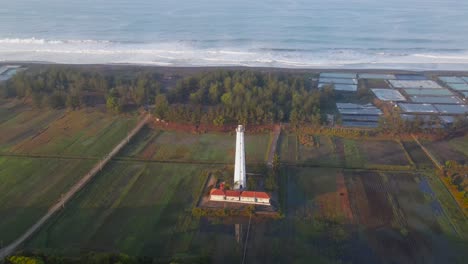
x=190, y=53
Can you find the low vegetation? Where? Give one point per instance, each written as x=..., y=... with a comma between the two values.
x=455, y=177
x=29, y=186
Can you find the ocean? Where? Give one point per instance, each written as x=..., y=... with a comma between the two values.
x=407, y=34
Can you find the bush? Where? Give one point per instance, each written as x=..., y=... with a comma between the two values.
x=23, y=260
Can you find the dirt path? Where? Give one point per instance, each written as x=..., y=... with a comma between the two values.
x=48, y=156
x=274, y=144
x=427, y=152
x=438, y=165
x=4, y=252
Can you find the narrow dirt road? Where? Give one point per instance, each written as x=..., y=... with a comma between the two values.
x=428, y=153
x=4, y=252
x=274, y=144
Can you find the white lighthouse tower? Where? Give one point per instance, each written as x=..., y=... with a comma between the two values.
x=240, y=181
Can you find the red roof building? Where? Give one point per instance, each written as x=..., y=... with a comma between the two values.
x=216, y=192
x=233, y=195
x=217, y=195
x=251, y=194
x=245, y=196
x=263, y=195
x=255, y=197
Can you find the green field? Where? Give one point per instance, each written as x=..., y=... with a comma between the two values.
x=43, y=153
x=287, y=148
x=453, y=149
x=336, y=152
x=153, y=144
x=141, y=209
x=23, y=125
x=460, y=144
x=145, y=209
x=397, y=215
x=77, y=133
x=323, y=154
x=335, y=209
x=134, y=208
x=417, y=155
x=57, y=132
x=28, y=187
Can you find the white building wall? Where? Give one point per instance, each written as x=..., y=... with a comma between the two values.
x=232, y=198
x=263, y=200
x=217, y=197
x=248, y=199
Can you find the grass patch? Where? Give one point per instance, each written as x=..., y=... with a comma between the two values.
x=149, y=205
x=456, y=217
x=353, y=157
x=78, y=133
x=183, y=146
x=30, y=186
x=323, y=154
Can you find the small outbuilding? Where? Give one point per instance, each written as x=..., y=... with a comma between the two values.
x=263, y=197
x=248, y=196
x=217, y=195
x=255, y=197
x=232, y=195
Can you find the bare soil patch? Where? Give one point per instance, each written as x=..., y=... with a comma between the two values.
x=383, y=152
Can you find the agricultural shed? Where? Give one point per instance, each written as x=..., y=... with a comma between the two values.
x=388, y=95
x=376, y=76
x=410, y=117
x=417, y=108
x=341, y=87
x=426, y=119
x=428, y=92
x=337, y=81
x=414, y=77
x=342, y=75
x=355, y=115
x=447, y=119
x=458, y=86
x=353, y=106
x=451, y=79
x=374, y=112
x=362, y=118
x=357, y=109
x=360, y=124
x=428, y=84
x=436, y=99
x=346, y=87
x=451, y=109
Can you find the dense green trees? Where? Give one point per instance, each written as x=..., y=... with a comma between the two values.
x=59, y=86
x=247, y=97
x=216, y=98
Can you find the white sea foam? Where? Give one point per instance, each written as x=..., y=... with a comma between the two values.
x=188, y=54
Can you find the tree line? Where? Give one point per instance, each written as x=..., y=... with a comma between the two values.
x=59, y=87
x=217, y=97
x=245, y=97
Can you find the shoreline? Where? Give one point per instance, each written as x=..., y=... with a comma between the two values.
x=197, y=69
